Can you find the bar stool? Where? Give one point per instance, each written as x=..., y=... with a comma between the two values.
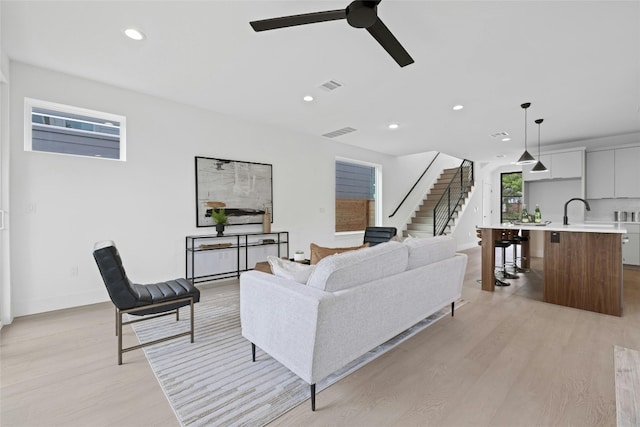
x=503, y=244
x=518, y=240
x=506, y=239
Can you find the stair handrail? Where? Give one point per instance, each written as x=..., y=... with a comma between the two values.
x=415, y=184
x=453, y=194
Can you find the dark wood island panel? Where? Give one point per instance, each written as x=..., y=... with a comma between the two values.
x=584, y=270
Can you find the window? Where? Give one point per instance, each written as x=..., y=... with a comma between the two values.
x=357, y=198
x=510, y=196
x=63, y=129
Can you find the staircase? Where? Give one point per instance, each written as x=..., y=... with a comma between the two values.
x=421, y=224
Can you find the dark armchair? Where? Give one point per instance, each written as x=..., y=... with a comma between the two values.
x=375, y=235
x=158, y=299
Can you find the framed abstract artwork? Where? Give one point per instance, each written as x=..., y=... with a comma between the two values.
x=243, y=189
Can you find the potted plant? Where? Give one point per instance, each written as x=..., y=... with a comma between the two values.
x=221, y=219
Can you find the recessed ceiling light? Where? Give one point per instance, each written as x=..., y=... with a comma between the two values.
x=458, y=107
x=134, y=34
x=308, y=98
x=500, y=156
x=506, y=139
x=393, y=126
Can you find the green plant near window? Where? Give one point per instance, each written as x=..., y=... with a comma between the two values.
x=219, y=216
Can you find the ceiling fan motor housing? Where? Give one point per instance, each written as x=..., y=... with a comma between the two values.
x=362, y=14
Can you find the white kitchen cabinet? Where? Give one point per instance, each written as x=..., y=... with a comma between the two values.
x=627, y=172
x=631, y=249
x=567, y=165
x=600, y=174
x=560, y=165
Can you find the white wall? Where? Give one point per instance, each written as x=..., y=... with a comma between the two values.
x=552, y=195
x=465, y=231
x=6, y=315
x=63, y=204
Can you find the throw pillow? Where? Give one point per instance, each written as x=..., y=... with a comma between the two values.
x=290, y=269
x=319, y=252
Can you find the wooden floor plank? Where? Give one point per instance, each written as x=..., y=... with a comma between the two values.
x=627, y=368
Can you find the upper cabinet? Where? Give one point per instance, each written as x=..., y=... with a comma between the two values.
x=613, y=173
x=627, y=172
x=567, y=164
x=600, y=175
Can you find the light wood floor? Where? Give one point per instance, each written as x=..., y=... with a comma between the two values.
x=505, y=359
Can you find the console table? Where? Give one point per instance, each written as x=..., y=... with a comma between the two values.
x=211, y=257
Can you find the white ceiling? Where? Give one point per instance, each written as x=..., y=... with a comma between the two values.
x=577, y=62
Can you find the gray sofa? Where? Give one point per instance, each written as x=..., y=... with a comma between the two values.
x=351, y=303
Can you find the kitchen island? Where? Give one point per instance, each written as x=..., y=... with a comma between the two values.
x=582, y=263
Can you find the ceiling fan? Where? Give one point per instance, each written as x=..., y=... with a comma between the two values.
x=359, y=14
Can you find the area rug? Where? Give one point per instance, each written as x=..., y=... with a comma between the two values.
x=213, y=381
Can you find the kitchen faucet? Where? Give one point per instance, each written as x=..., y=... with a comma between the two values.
x=565, y=219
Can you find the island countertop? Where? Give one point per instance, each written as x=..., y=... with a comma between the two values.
x=576, y=228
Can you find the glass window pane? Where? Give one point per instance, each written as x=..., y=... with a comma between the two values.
x=510, y=196
x=355, y=196
x=63, y=129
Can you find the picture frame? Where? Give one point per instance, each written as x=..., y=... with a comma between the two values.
x=243, y=189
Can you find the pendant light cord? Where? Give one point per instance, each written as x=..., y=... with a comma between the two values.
x=525, y=129
x=539, y=122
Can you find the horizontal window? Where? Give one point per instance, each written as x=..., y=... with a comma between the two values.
x=64, y=129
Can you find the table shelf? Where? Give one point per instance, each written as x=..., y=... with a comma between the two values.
x=242, y=250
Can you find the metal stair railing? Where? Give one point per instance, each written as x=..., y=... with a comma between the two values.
x=453, y=195
x=415, y=184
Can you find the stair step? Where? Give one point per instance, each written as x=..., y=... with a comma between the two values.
x=441, y=211
x=420, y=227
x=414, y=233
x=450, y=171
x=422, y=220
x=425, y=209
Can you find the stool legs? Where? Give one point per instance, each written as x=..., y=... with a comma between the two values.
x=502, y=245
x=518, y=268
x=504, y=272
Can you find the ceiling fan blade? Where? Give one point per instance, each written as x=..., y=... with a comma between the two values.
x=381, y=33
x=293, y=20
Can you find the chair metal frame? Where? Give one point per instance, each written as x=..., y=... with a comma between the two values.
x=120, y=323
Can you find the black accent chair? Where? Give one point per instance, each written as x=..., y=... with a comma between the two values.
x=376, y=235
x=158, y=299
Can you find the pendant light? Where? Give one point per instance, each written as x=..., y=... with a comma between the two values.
x=539, y=167
x=526, y=158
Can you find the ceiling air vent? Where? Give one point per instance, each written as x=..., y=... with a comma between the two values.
x=330, y=85
x=499, y=135
x=339, y=132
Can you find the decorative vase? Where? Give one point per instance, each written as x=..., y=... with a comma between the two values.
x=266, y=221
x=220, y=229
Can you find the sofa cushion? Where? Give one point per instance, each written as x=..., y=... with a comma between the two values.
x=342, y=271
x=423, y=251
x=319, y=252
x=290, y=269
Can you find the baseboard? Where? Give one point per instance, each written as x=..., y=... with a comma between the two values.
x=35, y=306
